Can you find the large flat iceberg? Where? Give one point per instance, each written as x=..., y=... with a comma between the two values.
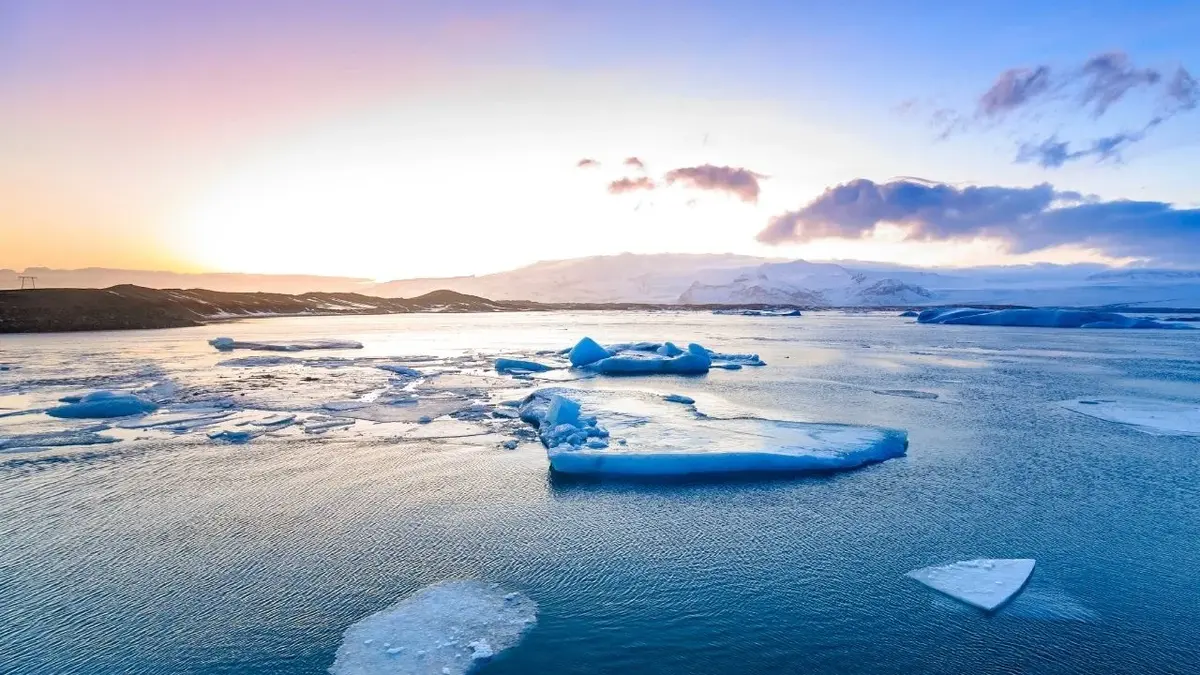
x=984, y=583
x=639, y=434
x=449, y=628
x=1151, y=416
x=226, y=344
x=1038, y=318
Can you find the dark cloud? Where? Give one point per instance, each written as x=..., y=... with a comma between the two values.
x=634, y=162
x=1029, y=219
x=740, y=182
x=1053, y=153
x=1091, y=88
x=1014, y=89
x=1183, y=93
x=586, y=163
x=624, y=185
x=1108, y=77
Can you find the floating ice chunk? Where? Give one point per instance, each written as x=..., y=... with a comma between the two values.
x=657, y=438
x=1039, y=318
x=319, y=424
x=235, y=436
x=101, y=404
x=520, y=366
x=403, y=371
x=52, y=439
x=983, y=583
x=450, y=627
x=510, y=444
x=1150, y=416
x=694, y=361
x=226, y=344
x=740, y=359
x=634, y=347
x=562, y=410
x=679, y=398
x=668, y=349
x=586, y=351
x=177, y=420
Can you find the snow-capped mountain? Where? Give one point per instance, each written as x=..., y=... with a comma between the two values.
x=805, y=283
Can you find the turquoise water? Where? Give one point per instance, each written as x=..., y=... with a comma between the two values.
x=192, y=557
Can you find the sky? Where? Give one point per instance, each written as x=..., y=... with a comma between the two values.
x=410, y=139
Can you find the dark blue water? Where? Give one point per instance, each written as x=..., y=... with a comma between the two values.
x=202, y=558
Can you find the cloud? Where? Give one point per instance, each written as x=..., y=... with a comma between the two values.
x=737, y=181
x=1108, y=77
x=587, y=163
x=1052, y=153
x=1182, y=91
x=634, y=162
x=1091, y=89
x=624, y=185
x=1028, y=219
x=1013, y=89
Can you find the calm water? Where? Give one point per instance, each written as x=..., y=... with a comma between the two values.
x=194, y=557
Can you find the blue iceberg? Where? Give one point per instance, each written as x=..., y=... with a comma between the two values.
x=694, y=361
x=101, y=404
x=520, y=366
x=631, y=433
x=1038, y=318
x=587, y=351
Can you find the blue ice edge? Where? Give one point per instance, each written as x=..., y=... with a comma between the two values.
x=639, y=434
x=1047, y=317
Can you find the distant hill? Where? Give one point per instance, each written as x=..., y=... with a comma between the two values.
x=132, y=307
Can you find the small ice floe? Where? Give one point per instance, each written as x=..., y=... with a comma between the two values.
x=226, y=344
x=656, y=438
x=679, y=398
x=319, y=424
x=179, y=420
x=1038, y=318
x=103, y=404
x=520, y=366
x=984, y=583
x=1151, y=416
x=450, y=627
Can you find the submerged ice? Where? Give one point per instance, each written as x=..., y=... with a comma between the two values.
x=637, y=433
x=1038, y=318
x=449, y=628
x=984, y=583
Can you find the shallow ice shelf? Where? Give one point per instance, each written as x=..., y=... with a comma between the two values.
x=451, y=627
x=1151, y=416
x=984, y=583
x=638, y=433
x=226, y=344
